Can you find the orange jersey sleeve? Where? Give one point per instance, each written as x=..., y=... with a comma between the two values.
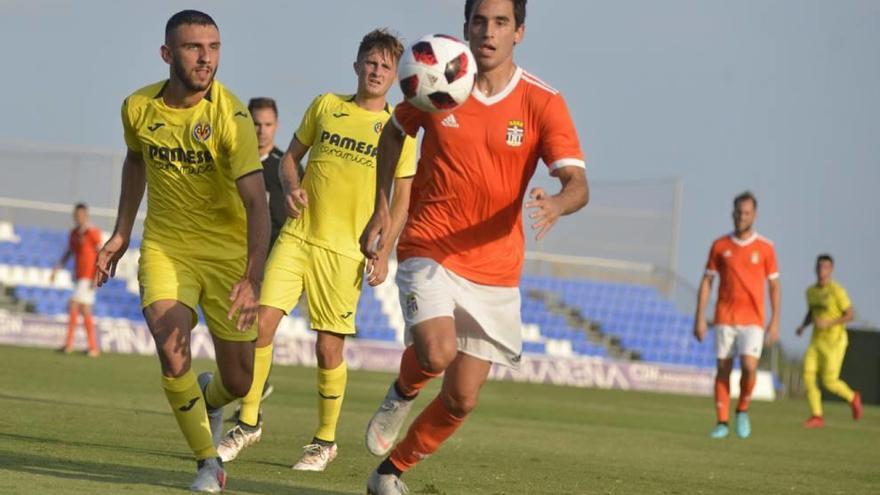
x=712, y=261
x=560, y=146
x=770, y=266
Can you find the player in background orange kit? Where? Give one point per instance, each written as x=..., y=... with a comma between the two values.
x=83, y=243
x=744, y=262
x=462, y=248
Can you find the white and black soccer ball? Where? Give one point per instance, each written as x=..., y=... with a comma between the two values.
x=437, y=73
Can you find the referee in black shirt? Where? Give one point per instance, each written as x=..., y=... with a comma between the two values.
x=264, y=111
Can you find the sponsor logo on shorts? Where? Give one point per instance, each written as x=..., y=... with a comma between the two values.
x=412, y=306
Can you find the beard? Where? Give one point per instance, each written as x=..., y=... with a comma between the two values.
x=188, y=81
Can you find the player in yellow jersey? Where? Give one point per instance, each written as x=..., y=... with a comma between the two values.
x=828, y=310
x=192, y=143
x=318, y=251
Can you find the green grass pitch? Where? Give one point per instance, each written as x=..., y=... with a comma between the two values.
x=70, y=424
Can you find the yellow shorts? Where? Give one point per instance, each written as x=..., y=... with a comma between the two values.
x=332, y=283
x=194, y=282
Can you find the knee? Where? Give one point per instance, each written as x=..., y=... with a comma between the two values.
x=238, y=385
x=171, y=369
x=810, y=377
x=829, y=381
x=459, y=404
x=437, y=358
x=267, y=324
x=724, y=370
x=329, y=353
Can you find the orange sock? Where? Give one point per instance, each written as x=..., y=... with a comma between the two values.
x=722, y=398
x=412, y=377
x=90, y=331
x=425, y=435
x=746, y=385
x=72, y=316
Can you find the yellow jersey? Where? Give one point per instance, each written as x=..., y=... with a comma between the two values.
x=340, y=177
x=828, y=303
x=193, y=157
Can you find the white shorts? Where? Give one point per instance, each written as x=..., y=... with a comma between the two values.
x=738, y=340
x=83, y=292
x=487, y=318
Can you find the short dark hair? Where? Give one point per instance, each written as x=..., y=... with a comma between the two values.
x=187, y=17
x=744, y=196
x=519, y=11
x=824, y=257
x=80, y=206
x=382, y=39
x=262, y=102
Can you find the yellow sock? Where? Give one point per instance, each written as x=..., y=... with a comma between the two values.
x=331, y=391
x=215, y=394
x=814, y=395
x=188, y=407
x=250, y=403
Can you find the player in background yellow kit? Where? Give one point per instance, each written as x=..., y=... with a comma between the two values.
x=192, y=144
x=828, y=310
x=317, y=251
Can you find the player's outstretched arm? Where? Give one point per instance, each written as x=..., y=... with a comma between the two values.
x=377, y=233
x=700, y=325
x=245, y=295
x=775, y=303
x=134, y=182
x=378, y=268
x=295, y=197
x=546, y=209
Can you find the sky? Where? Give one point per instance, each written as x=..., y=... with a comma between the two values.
x=777, y=96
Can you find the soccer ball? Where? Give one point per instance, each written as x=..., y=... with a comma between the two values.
x=437, y=73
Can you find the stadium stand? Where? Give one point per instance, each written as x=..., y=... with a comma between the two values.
x=561, y=317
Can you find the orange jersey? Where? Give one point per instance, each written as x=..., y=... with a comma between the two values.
x=475, y=164
x=84, y=245
x=744, y=267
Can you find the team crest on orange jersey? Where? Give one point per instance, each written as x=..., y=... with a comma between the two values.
x=202, y=131
x=515, y=132
x=378, y=127
x=756, y=257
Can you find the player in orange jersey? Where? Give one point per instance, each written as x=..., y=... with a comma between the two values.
x=462, y=247
x=744, y=262
x=83, y=243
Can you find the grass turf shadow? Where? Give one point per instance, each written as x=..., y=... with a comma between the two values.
x=117, y=474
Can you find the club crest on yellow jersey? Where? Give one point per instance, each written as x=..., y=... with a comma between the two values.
x=378, y=126
x=201, y=132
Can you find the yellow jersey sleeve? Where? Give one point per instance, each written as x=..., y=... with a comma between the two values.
x=841, y=297
x=307, y=129
x=131, y=139
x=406, y=164
x=240, y=141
